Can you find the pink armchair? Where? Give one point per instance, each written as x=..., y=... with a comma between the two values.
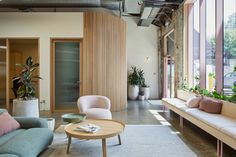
x=95, y=106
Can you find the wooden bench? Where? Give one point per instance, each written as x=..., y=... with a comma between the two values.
x=221, y=126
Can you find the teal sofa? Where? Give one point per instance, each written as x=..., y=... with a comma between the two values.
x=29, y=141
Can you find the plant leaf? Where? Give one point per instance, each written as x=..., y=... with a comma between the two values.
x=29, y=61
x=35, y=65
x=36, y=77
x=22, y=66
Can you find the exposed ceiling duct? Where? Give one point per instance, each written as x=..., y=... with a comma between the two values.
x=158, y=12
x=148, y=15
x=29, y=4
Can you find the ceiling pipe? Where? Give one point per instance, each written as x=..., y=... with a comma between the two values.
x=108, y=4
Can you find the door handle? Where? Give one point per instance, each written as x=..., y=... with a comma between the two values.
x=78, y=82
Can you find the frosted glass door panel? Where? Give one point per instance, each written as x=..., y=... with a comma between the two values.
x=3, y=73
x=67, y=74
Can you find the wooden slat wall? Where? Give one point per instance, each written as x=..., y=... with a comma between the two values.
x=104, y=58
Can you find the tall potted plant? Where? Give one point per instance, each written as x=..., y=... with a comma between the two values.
x=144, y=87
x=134, y=81
x=26, y=104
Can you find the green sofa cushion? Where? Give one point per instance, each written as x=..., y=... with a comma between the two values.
x=10, y=135
x=28, y=143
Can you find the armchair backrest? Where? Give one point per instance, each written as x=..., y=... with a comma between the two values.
x=93, y=101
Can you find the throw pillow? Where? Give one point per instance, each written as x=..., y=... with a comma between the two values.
x=193, y=102
x=210, y=105
x=7, y=123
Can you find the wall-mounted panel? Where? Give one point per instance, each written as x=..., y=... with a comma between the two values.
x=104, y=58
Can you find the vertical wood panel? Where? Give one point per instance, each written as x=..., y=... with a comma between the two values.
x=105, y=58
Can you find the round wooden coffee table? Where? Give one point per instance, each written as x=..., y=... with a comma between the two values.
x=109, y=128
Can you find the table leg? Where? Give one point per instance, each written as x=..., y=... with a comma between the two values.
x=104, y=148
x=119, y=139
x=68, y=146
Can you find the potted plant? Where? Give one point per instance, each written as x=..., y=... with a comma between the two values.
x=134, y=81
x=26, y=104
x=144, y=88
x=211, y=80
x=141, y=95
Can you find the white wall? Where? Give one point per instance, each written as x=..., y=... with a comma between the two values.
x=43, y=26
x=142, y=43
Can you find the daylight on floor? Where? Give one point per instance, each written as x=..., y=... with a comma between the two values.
x=118, y=78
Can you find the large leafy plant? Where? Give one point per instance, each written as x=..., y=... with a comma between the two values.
x=136, y=76
x=26, y=89
x=133, y=76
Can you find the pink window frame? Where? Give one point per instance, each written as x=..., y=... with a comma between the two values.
x=219, y=36
x=202, y=25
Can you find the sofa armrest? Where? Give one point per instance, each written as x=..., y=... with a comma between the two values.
x=31, y=122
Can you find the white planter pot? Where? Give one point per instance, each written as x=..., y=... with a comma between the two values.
x=133, y=92
x=25, y=108
x=146, y=91
x=51, y=123
x=141, y=97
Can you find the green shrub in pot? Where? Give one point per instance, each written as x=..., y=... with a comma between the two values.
x=26, y=103
x=26, y=89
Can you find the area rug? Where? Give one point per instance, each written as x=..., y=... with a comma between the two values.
x=137, y=141
x=155, y=102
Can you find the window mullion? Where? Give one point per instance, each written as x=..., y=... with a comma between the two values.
x=190, y=43
x=219, y=44
x=202, y=43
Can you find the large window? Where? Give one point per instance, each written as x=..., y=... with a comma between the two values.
x=229, y=44
x=196, y=45
x=210, y=45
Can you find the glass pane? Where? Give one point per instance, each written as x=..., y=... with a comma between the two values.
x=171, y=81
x=3, y=73
x=66, y=74
x=229, y=45
x=170, y=44
x=196, y=45
x=210, y=44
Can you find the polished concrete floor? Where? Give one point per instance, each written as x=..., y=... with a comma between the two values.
x=143, y=113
